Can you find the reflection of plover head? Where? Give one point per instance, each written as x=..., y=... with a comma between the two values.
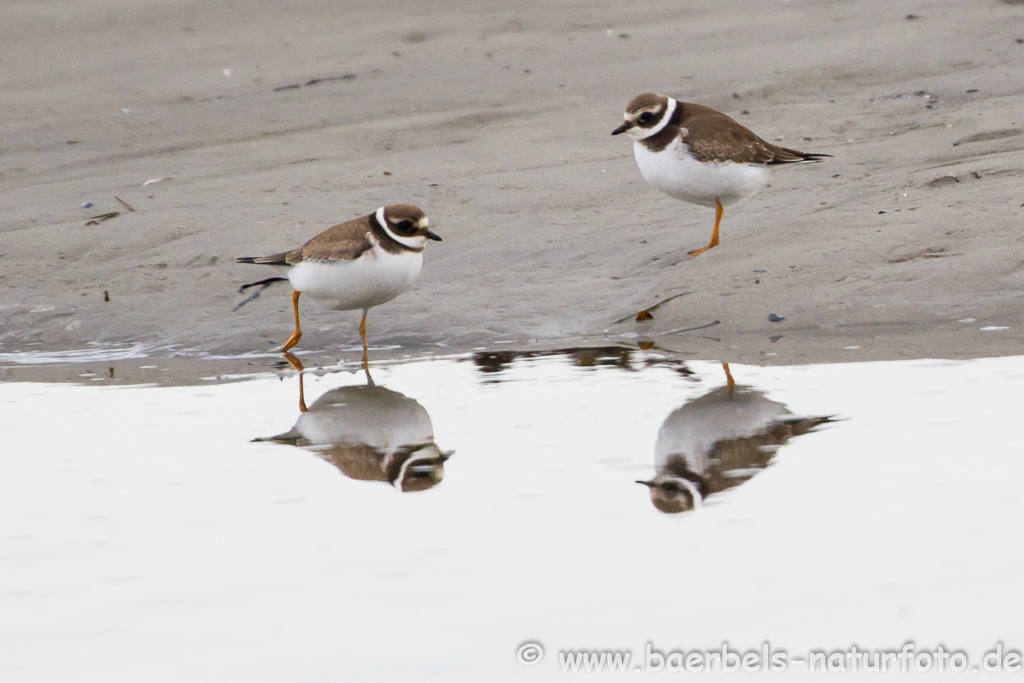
x=372, y=433
x=700, y=155
x=357, y=265
x=718, y=441
x=670, y=493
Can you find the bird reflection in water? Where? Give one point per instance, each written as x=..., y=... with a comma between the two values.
x=718, y=441
x=369, y=433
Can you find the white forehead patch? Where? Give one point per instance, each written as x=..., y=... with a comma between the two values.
x=422, y=223
x=638, y=133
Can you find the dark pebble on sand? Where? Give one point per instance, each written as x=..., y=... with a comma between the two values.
x=772, y=318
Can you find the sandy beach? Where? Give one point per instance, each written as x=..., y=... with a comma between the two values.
x=262, y=127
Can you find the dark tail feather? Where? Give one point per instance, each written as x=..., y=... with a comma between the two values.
x=792, y=156
x=272, y=260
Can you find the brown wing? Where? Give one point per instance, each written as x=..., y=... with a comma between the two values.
x=713, y=136
x=344, y=242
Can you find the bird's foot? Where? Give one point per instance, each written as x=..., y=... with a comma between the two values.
x=292, y=341
x=695, y=252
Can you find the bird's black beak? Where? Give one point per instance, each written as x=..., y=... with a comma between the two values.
x=432, y=236
x=623, y=128
x=648, y=484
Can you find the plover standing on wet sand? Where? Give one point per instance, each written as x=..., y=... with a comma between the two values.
x=700, y=155
x=358, y=264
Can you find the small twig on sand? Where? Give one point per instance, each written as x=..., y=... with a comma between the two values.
x=96, y=220
x=646, y=313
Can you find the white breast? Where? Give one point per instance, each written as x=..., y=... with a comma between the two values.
x=679, y=175
x=370, y=280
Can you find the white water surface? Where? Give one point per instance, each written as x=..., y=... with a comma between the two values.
x=144, y=535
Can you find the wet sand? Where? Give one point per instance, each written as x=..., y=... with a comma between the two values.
x=266, y=127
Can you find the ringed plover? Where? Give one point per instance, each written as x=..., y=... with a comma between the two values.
x=361, y=263
x=700, y=155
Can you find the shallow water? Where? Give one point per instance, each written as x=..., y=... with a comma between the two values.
x=426, y=527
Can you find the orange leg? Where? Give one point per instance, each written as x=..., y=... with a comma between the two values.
x=297, y=334
x=298, y=367
x=366, y=350
x=729, y=381
x=719, y=210
x=362, y=333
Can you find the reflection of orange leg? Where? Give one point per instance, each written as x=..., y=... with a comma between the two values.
x=294, y=362
x=729, y=381
x=298, y=367
x=297, y=334
x=719, y=210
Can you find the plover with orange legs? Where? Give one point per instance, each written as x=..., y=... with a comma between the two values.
x=700, y=155
x=356, y=265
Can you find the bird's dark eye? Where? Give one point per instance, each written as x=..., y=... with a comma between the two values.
x=405, y=225
x=646, y=116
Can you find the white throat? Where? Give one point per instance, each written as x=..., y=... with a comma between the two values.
x=698, y=500
x=414, y=242
x=638, y=133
